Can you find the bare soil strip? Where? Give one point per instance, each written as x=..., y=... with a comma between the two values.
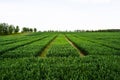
x=44, y=52
x=72, y=44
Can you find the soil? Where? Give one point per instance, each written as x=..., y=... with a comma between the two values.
x=44, y=52
x=81, y=54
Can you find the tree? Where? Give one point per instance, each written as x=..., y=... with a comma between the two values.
x=24, y=29
x=11, y=29
x=1, y=28
x=31, y=30
x=5, y=28
x=35, y=30
x=17, y=29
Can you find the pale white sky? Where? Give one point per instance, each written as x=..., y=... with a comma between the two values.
x=61, y=14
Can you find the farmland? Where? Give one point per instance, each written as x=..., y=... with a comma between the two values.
x=60, y=56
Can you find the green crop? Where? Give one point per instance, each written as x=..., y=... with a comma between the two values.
x=61, y=48
x=57, y=56
x=61, y=68
x=29, y=50
x=92, y=47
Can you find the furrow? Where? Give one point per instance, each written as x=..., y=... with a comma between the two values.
x=72, y=44
x=13, y=48
x=46, y=48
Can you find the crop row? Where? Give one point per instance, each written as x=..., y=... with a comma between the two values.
x=62, y=68
x=92, y=48
x=14, y=41
x=12, y=37
x=9, y=47
x=62, y=61
x=107, y=39
x=6, y=40
x=61, y=48
x=29, y=50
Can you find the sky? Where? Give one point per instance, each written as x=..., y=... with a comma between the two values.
x=61, y=14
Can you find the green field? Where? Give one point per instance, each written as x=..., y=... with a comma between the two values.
x=60, y=56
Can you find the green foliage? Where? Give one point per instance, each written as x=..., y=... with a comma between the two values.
x=17, y=29
x=61, y=48
x=31, y=30
x=35, y=30
x=25, y=29
x=11, y=29
x=94, y=47
x=87, y=68
x=20, y=56
x=29, y=50
x=17, y=44
x=6, y=29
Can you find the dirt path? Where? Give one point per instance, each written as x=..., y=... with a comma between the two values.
x=43, y=53
x=81, y=54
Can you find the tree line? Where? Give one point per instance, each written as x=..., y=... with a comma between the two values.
x=104, y=30
x=6, y=29
x=109, y=30
x=25, y=29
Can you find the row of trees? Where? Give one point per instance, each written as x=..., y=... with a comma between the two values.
x=6, y=29
x=104, y=30
x=25, y=29
x=109, y=30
